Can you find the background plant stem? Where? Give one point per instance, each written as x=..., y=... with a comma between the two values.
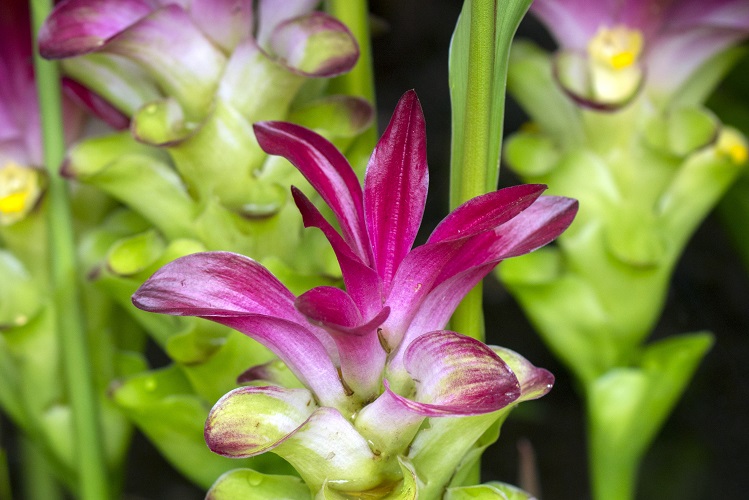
x=478, y=101
x=360, y=80
x=92, y=473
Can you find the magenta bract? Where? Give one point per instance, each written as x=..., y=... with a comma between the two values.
x=377, y=352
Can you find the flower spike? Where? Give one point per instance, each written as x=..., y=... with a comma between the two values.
x=375, y=357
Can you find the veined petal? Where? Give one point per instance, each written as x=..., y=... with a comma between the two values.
x=533, y=228
x=454, y=375
x=327, y=170
x=77, y=27
x=416, y=277
x=362, y=356
x=238, y=292
x=457, y=375
x=212, y=283
x=362, y=282
x=315, y=45
x=226, y=22
x=395, y=187
x=486, y=212
x=431, y=264
x=249, y=421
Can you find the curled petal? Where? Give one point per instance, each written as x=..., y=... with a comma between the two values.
x=534, y=382
x=298, y=347
x=249, y=421
x=238, y=292
x=396, y=185
x=454, y=375
x=486, y=212
x=458, y=375
x=446, y=256
x=77, y=27
x=327, y=170
x=316, y=45
x=212, y=283
x=319, y=442
x=534, y=227
x=329, y=305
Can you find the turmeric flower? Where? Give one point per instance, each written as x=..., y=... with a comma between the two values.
x=373, y=362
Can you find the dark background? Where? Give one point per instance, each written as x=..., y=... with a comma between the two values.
x=703, y=450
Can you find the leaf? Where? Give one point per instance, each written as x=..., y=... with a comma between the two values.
x=247, y=483
x=507, y=17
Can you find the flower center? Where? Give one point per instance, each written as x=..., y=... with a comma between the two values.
x=20, y=188
x=618, y=47
x=732, y=145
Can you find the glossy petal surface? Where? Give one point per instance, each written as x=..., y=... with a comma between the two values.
x=395, y=187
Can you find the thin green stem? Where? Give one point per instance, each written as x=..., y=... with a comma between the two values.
x=92, y=471
x=360, y=80
x=613, y=472
x=469, y=175
x=478, y=115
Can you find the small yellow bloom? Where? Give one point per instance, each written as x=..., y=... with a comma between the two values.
x=618, y=47
x=732, y=144
x=613, y=59
x=20, y=189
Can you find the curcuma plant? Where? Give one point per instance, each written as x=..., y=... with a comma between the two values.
x=370, y=395
x=618, y=122
x=185, y=81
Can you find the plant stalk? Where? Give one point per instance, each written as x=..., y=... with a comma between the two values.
x=65, y=294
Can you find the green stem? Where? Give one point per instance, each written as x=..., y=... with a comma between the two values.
x=65, y=294
x=613, y=473
x=478, y=112
x=360, y=80
x=469, y=176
